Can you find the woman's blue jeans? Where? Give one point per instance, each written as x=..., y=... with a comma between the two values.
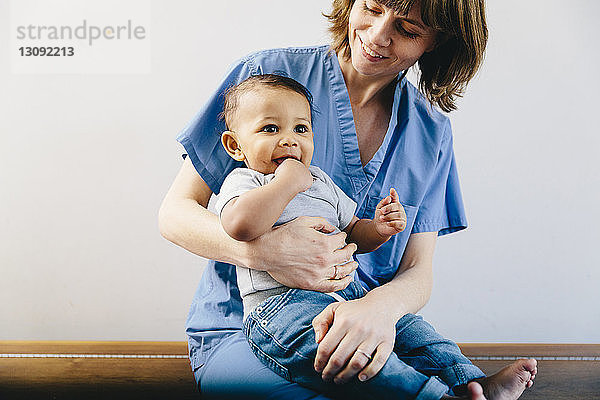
x=423, y=365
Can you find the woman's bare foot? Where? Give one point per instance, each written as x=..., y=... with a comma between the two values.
x=506, y=384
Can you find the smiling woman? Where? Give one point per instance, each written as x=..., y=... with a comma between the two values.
x=384, y=42
x=378, y=144
x=449, y=39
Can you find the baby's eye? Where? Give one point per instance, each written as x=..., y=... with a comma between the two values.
x=269, y=128
x=301, y=129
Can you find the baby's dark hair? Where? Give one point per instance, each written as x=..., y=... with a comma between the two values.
x=233, y=94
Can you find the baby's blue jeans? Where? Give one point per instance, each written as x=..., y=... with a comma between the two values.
x=422, y=366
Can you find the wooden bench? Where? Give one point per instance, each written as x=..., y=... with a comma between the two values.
x=95, y=370
x=160, y=370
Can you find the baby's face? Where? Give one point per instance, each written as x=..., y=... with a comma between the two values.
x=272, y=124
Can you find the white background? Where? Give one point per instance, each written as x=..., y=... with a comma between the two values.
x=86, y=159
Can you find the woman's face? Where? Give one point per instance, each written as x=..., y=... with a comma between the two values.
x=382, y=42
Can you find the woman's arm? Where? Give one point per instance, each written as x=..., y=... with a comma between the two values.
x=296, y=254
x=369, y=323
x=184, y=220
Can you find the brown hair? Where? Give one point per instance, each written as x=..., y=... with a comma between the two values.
x=447, y=69
x=233, y=94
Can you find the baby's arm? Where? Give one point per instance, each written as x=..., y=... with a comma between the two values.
x=389, y=219
x=255, y=212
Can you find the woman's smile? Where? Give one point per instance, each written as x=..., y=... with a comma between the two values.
x=383, y=43
x=368, y=53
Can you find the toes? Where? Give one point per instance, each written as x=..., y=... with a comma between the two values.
x=528, y=364
x=531, y=364
x=475, y=391
x=529, y=384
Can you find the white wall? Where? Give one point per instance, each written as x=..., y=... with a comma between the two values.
x=527, y=269
x=85, y=160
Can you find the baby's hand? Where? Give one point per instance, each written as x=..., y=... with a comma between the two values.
x=390, y=217
x=296, y=173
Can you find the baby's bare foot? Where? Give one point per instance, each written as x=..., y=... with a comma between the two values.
x=474, y=392
x=508, y=383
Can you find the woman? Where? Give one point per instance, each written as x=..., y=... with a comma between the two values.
x=373, y=130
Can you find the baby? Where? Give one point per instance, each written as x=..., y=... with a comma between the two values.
x=268, y=118
x=269, y=121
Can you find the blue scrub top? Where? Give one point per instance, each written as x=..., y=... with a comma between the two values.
x=416, y=158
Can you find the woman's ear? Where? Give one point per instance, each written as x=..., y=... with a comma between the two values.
x=440, y=39
x=231, y=146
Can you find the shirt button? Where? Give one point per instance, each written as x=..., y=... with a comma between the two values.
x=263, y=323
x=259, y=309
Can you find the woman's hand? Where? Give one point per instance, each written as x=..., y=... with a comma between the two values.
x=349, y=333
x=355, y=337
x=300, y=254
